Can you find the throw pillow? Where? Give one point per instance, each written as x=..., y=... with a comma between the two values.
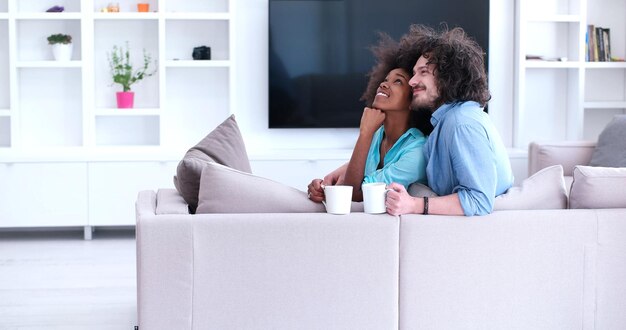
x=224, y=145
x=611, y=148
x=417, y=189
x=598, y=187
x=543, y=190
x=226, y=190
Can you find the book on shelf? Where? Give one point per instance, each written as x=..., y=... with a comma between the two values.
x=598, y=42
x=591, y=41
x=606, y=38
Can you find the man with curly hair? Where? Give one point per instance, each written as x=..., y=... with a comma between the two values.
x=467, y=163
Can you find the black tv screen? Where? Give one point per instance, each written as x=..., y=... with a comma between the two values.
x=319, y=51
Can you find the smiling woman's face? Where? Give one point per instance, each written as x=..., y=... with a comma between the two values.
x=394, y=93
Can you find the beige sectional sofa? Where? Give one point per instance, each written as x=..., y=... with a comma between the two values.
x=515, y=269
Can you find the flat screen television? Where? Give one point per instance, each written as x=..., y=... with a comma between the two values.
x=319, y=51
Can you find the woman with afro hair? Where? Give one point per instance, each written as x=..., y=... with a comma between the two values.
x=389, y=146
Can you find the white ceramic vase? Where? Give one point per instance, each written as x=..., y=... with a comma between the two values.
x=62, y=52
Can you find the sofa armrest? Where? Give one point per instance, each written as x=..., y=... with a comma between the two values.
x=565, y=153
x=164, y=270
x=169, y=201
x=145, y=204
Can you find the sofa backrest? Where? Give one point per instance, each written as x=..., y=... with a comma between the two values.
x=506, y=270
x=267, y=271
x=566, y=153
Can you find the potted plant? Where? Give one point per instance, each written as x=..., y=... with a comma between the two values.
x=61, y=46
x=123, y=73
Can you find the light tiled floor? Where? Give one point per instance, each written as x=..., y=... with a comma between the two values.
x=57, y=280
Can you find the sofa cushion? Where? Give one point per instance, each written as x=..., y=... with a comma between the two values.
x=597, y=188
x=611, y=148
x=543, y=190
x=227, y=190
x=224, y=145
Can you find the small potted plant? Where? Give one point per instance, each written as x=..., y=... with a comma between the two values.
x=123, y=73
x=61, y=46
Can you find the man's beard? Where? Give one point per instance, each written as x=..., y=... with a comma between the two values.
x=426, y=105
x=420, y=106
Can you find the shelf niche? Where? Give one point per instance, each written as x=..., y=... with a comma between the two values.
x=5, y=132
x=127, y=130
x=38, y=6
x=217, y=6
x=140, y=35
x=125, y=6
x=5, y=100
x=50, y=113
x=182, y=48
x=32, y=38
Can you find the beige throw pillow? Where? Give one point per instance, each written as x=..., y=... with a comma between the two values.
x=224, y=145
x=598, y=187
x=543, y=190
x=226, y=190
x=611, y=148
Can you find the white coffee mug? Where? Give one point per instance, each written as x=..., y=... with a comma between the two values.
x=374, y=196
x=338, y=199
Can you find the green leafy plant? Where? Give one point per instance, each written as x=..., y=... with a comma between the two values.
x=122, y=69
x=60, y=39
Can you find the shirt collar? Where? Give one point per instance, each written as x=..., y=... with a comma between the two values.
x=414, y=132
x=443, y=110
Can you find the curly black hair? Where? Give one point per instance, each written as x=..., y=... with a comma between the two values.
x=459, y=63
x=390, y=55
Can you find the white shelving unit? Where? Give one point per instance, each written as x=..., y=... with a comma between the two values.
x=85, y=113
x=65, y=112
x=571, y=99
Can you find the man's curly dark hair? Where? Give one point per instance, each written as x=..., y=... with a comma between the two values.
x=459, y=63
x=390, y=55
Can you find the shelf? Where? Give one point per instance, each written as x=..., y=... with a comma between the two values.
x=196, y=16
x=128, y=112
x=4, y=16
x=49, y=64
x=605, y=65
x=47, y=16
x=605, y=105
x=551, y=64
x=555, y=18
x=125, y=16
x=5, y=113
x=197, y=64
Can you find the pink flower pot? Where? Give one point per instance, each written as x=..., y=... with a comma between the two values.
x=125, y=99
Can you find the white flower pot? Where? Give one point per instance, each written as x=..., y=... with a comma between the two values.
x=62, y=52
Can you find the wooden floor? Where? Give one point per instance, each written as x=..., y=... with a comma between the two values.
x=57, y=280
